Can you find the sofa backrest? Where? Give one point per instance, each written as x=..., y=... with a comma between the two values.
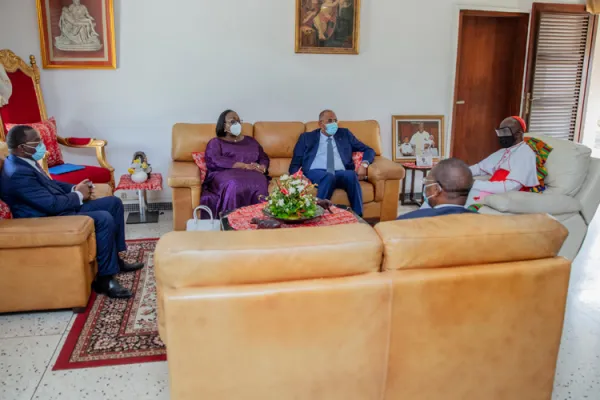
x=469, y=239
x=277, y=138
x=192, y=138
x=567, y=165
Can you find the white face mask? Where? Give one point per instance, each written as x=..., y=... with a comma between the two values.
x=236, y=129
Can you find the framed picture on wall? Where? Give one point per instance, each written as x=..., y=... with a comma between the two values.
x=415, y=136
x=77, y=33
x=327, y=26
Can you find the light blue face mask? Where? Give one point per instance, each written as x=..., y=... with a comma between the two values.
x=425, y=197
x=40, y=151
x=331, y=128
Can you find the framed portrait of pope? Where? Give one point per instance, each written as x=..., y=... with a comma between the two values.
x=77, y=33
x=417, y=137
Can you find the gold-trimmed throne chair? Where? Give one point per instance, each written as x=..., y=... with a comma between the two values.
x=26, y=106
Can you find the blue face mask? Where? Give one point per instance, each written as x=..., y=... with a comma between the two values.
x=425, y=197
x=331, y=128
x=40, y=151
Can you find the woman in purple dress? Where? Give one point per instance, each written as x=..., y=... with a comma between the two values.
x=237, y=168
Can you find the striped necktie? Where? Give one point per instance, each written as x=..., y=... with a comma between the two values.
x=330, y=159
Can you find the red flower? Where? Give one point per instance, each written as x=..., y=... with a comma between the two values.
x=298, y=174
x=284, y=191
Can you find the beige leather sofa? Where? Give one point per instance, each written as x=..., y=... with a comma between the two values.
x=465, y=307
x=47, y=263
x=572, y=197
x=380, y=193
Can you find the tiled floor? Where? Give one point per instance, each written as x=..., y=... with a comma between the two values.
x=29, y=345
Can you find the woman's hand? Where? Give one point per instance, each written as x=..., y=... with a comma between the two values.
x=259, y=168
x=241, y=165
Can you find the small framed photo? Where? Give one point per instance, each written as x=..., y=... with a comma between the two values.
x=77, y=34
x=418, y=138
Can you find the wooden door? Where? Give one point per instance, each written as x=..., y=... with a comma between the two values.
x=489, y=79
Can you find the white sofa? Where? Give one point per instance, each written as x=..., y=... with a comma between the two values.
x=572, y=195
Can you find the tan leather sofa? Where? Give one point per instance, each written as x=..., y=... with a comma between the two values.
x=46, y=263
x=380, y=193
x=466, y=307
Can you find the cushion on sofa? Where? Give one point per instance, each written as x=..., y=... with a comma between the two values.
x=4, y=211
x=531, y=203
x=200, y=160
x=567, y=166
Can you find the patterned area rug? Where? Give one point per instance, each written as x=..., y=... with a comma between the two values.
x=116, y=332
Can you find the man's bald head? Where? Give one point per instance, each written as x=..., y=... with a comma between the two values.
x=455, y=180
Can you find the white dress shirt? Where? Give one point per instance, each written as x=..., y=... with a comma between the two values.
x=38, y=168
x=320, y=161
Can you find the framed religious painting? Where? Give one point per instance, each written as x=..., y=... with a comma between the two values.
x=327, y=26
x=77, y=33
x=418, y=138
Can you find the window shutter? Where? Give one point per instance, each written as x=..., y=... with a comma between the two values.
x=560, y=74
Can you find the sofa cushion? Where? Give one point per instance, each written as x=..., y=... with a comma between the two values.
x=567, y=166
x=278, y=139
x=199, y=259
x=45, y=232
x=48, y=132
x=365, y=131
x=469, y=239
x=189, y=138
x=531, y=203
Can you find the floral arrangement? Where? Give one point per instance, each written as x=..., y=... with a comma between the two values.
x=292, y=198
x=139, y=168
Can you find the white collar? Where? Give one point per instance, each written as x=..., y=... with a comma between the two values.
x=448, y=205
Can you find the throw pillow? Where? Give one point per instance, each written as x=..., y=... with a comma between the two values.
x=542, y=151
x=357, y=158
x=4, y=211
x=200, y=160
x=48, y=132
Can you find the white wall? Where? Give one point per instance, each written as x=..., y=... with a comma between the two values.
x=187, y=60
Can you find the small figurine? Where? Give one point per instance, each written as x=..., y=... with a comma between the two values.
x=139, y=169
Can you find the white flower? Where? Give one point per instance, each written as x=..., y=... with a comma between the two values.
x=292, y=190
x=280, y=203
x=284, y=177
x=307, y=202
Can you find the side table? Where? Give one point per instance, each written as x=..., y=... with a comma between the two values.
x=154, y=182
x=412, y=168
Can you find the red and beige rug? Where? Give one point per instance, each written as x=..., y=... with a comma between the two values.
x=117, y=332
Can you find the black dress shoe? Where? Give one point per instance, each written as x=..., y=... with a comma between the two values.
x=129, y=267
x=110, y=287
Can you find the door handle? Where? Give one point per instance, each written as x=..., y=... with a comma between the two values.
x=459, y=102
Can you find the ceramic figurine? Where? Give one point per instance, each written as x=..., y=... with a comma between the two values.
x=139, y=169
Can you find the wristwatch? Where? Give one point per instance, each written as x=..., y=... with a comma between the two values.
x=365, y=164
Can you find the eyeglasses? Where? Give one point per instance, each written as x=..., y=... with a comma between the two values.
x=504, y=132
x=31, y=144
x=233, y=121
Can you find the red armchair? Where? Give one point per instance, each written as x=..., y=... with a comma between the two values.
x=26, y=106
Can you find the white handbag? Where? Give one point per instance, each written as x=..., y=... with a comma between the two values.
x=197, y=224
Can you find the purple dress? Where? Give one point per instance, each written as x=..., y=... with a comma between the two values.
x=226, y=188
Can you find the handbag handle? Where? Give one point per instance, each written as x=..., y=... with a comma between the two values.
x=208, y=210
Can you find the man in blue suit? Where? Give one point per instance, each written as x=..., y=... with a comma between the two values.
x=445, y=190
x=325, y=156
x=30, y=193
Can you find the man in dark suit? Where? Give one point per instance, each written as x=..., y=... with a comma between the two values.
x=31, y=193
x=325, y=156
x=446, y=190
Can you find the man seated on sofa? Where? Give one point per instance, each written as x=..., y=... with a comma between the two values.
x=446, y=189
x=325, y=156
x=30, y=193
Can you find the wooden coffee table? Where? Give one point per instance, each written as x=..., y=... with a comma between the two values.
x=226, y=226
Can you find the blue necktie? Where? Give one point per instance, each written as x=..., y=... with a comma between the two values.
x=330, y=159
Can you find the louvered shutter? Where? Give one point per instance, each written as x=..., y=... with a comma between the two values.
x=560, y=74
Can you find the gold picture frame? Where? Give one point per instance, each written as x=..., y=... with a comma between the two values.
x=416, y=132
x=94, y=48
x=328, y=30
